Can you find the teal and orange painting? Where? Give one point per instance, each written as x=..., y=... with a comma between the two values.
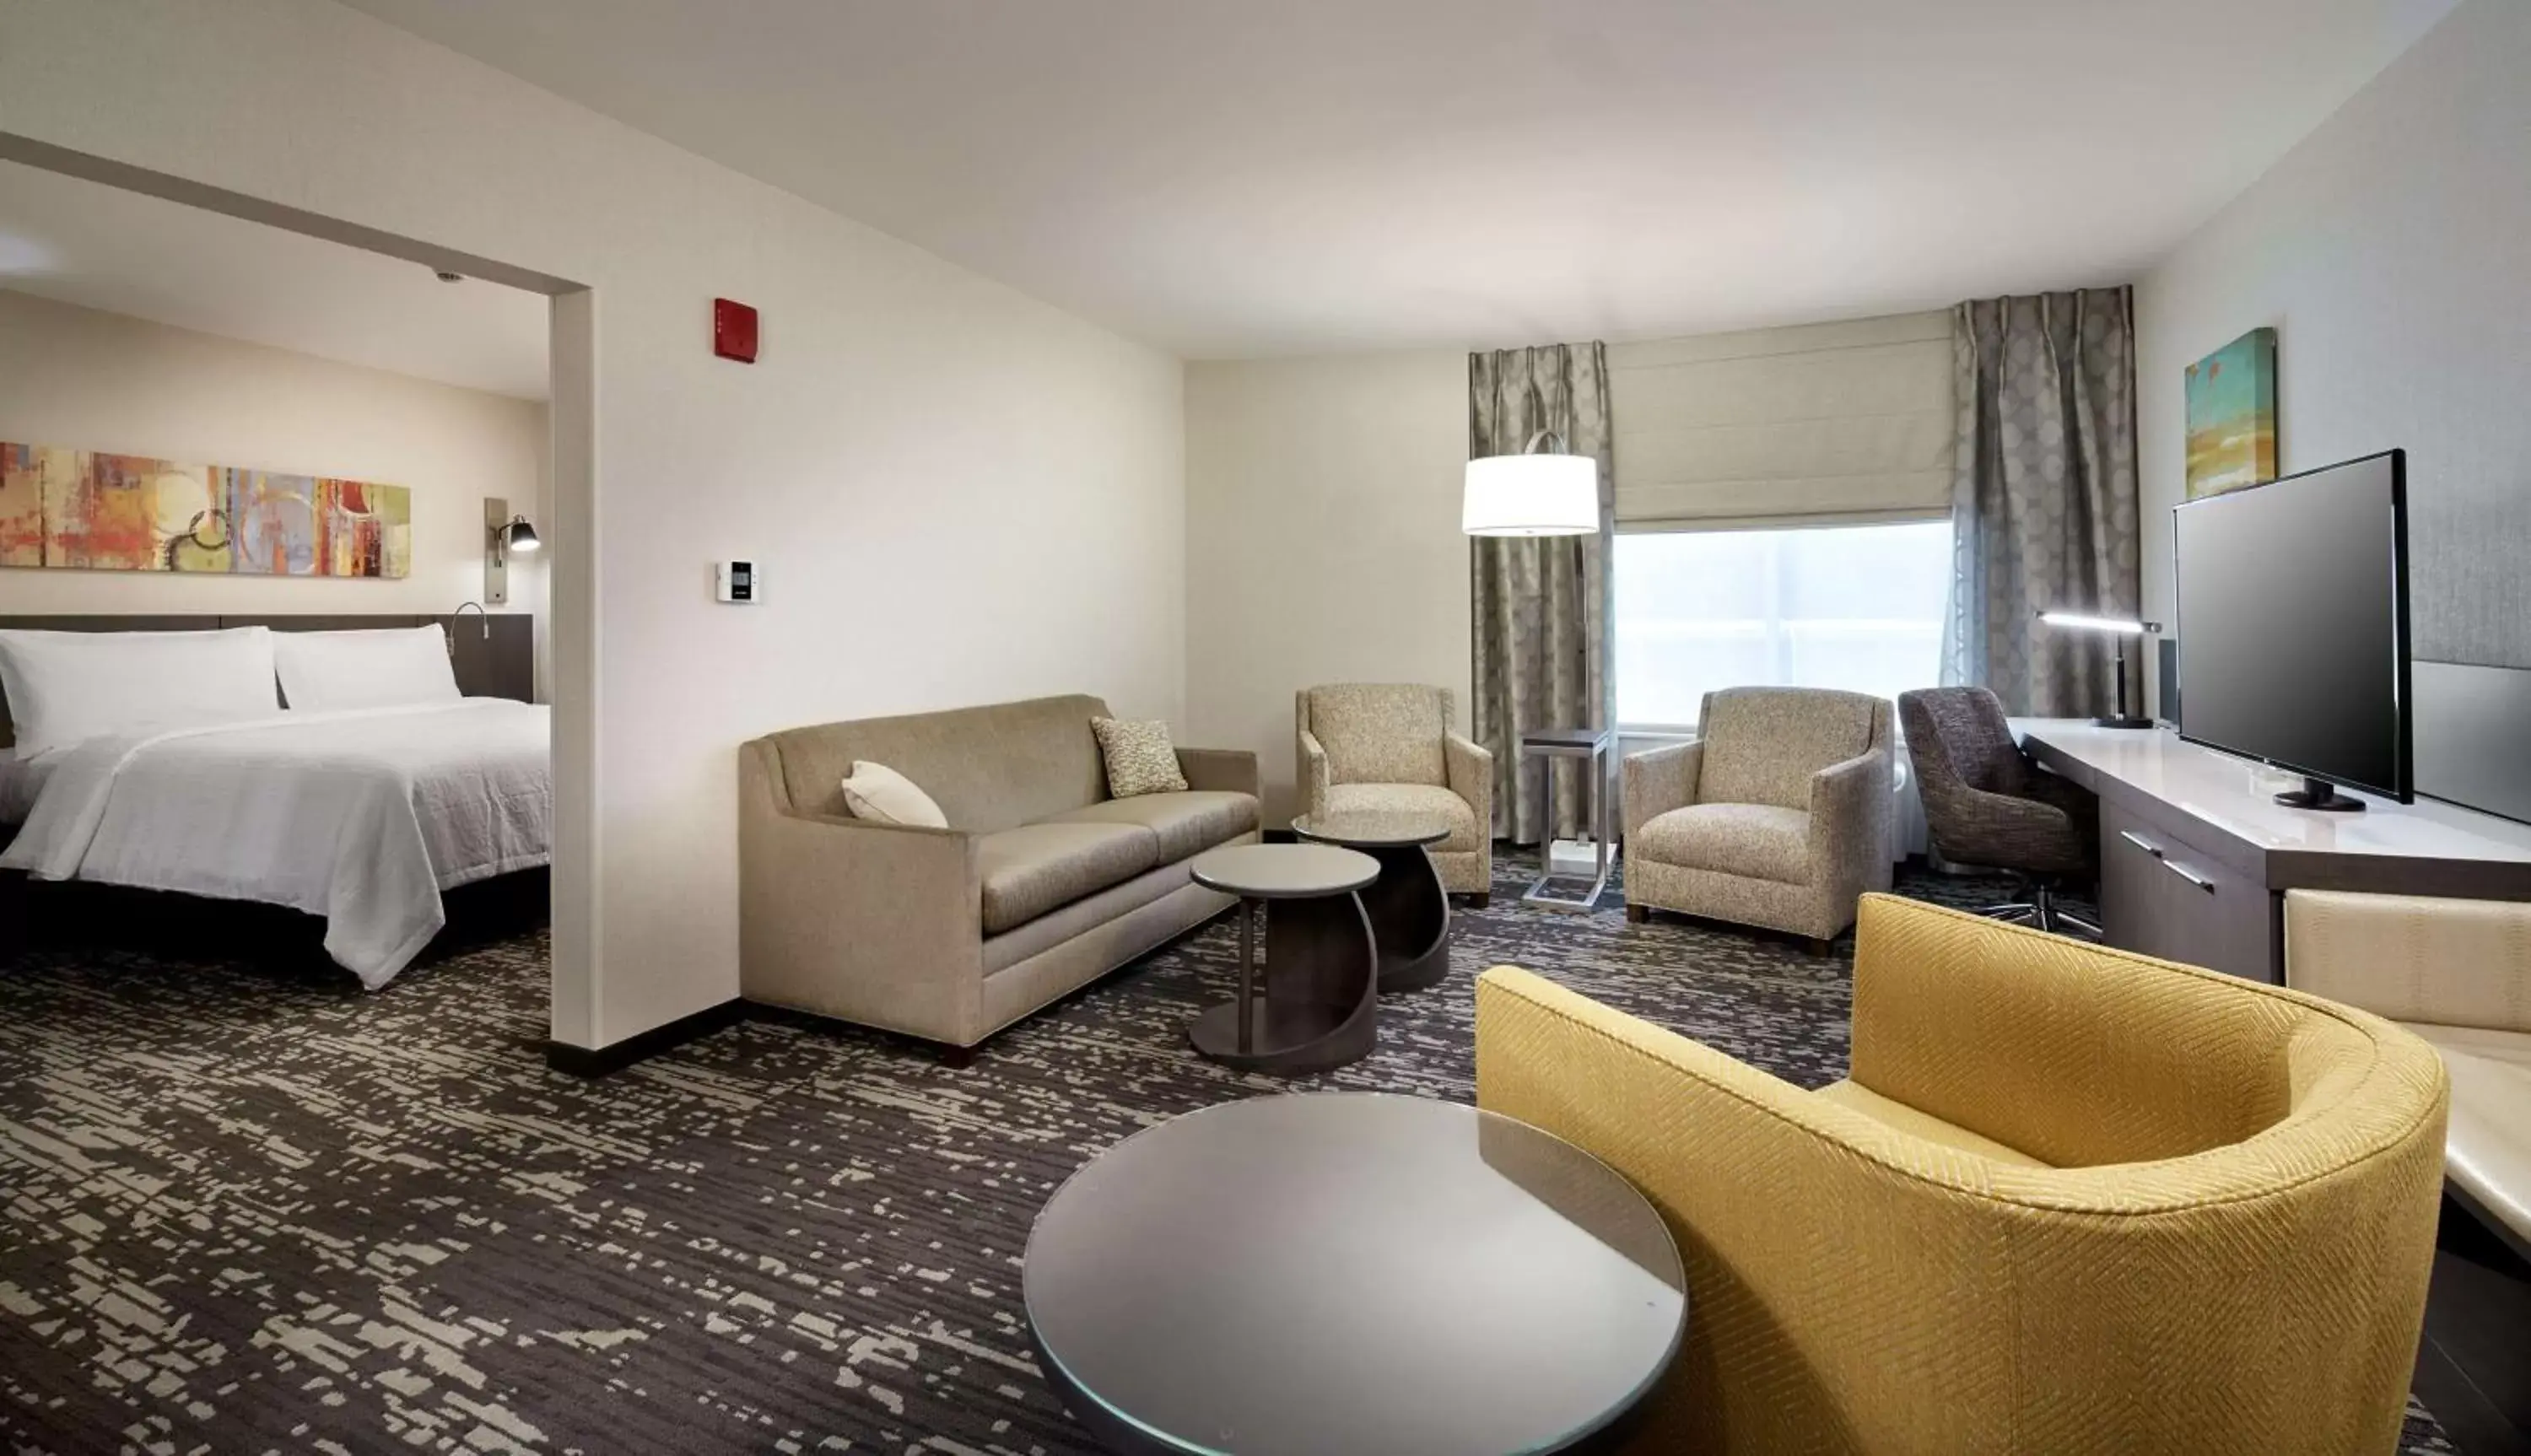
x=89, y=510
x=2233, y=416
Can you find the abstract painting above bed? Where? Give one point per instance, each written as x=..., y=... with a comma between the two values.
x=89, y=510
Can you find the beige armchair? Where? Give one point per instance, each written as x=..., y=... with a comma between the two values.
x=1778, y=815
x=1382, y=746
x=2071, y=1201
x=2457, y=972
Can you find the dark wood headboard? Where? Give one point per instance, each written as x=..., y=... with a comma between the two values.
x=496, y=655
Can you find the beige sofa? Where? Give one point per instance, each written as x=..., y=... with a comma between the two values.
x=1778, y=815
x=1390, y=747
x=2457, y=972
x=1041, y=885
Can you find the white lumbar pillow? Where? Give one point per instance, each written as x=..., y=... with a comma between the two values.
x=389, y=667
x=883, y=796
x=65, y=687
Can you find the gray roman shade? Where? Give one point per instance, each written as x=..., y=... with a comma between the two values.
x=1828, y=421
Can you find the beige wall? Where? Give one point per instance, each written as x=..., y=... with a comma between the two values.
x=2389, y=251
x=1322, y=539
x=103, y=381
x=959, y=493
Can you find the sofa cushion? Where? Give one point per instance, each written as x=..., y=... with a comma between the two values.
x=1762, y=744
x=1138, y=757
x=1430, y=799
x=1188, y=821
x=2486, y=1141
x=1381, y=733
x=1031, y=870
x=1754, y=841
x=883, y=796
x=1905, y=1119
x=988, y=768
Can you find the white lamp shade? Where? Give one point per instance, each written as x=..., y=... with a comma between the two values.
x=1531, y=495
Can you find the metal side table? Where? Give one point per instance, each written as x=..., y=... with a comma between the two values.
x=1593, y=745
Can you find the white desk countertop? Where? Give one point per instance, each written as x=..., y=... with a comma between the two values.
x=2236, y=796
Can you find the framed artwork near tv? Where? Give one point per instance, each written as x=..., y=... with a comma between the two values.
x=2233, y=416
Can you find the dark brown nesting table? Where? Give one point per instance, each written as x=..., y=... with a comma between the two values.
x=1410, y=912
x=1321, y=1006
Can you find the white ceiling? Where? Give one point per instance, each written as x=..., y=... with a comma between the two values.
x=1246, y=177
x=99, y=247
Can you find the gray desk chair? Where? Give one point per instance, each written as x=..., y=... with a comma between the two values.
x=1986, y=804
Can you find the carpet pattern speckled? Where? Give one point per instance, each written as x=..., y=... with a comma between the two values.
x=248, y=1211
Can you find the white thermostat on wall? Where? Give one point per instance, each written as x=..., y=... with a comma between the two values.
x=737, y=580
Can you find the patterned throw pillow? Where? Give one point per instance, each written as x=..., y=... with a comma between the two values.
x=883, y=796
x=1139, y=757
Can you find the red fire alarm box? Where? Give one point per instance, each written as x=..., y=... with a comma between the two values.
x=732, y=330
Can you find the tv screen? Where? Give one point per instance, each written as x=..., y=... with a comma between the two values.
x=2293, y=623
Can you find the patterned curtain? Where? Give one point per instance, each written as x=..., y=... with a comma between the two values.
x=2044, y=512
x=1543, y=633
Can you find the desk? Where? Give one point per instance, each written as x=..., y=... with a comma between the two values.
x=2196, y=855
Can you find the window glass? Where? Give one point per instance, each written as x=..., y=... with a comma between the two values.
x=1858, y=607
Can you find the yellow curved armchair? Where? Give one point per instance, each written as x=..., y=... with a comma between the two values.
x=2071, y=1201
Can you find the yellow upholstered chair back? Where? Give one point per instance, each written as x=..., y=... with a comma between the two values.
x=2229, y=1253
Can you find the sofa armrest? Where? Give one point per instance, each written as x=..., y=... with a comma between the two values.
x=1229, y=770
x=1851, y=818
x=1312, y=768
x=877, y=923
x=1469, y=766
x=2455, y=963
x=1659, y=780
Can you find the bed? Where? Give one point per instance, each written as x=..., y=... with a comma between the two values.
x=360, y=803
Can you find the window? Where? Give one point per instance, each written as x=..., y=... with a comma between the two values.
x=1858, y=607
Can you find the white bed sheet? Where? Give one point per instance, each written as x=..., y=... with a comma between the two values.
x=362, y=816
x=20, y=780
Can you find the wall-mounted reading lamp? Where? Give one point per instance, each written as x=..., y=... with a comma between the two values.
x=503, y=534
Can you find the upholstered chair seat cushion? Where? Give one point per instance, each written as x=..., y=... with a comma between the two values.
x=1758, y=840
x=1033, y=869
x=1424, y=799
x=1187, y=823
x=2487, y=1150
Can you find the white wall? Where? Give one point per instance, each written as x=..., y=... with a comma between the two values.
x=103, y=381
x=2392, y=250
x=1322, y=539
x=959, y=494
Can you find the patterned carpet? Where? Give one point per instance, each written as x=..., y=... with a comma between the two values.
x=247, y=1210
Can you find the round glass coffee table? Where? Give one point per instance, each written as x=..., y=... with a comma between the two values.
x=1319, y=1006
x=1351, y=1271
x=1410, y=912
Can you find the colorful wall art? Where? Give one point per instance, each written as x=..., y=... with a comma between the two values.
x=2233, y=416
x=88, y=510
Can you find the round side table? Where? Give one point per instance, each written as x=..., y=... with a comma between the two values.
x=1352, y=1272
x=1410, y=912
x=1319, y=1004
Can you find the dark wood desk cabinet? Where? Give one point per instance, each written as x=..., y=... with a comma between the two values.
x=2196, y=856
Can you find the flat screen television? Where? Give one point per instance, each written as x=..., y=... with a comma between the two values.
x=2294, y=628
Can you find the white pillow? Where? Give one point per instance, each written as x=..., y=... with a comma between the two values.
x=65, y=687
x=389, y=667
x=883, y=796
